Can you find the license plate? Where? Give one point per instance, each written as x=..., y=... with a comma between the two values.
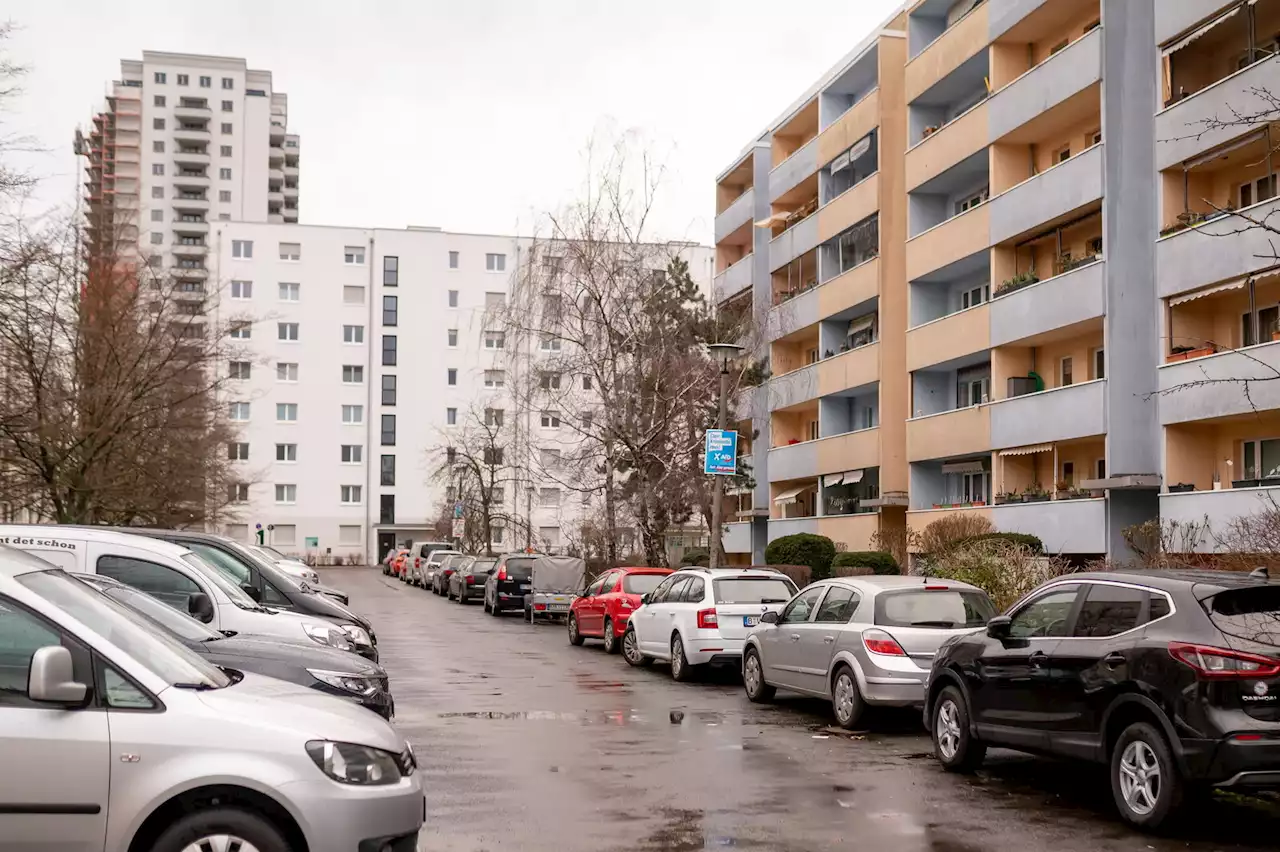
x=750, y=620
x=524, y=587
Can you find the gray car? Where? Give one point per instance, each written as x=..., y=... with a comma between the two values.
x=859, y=641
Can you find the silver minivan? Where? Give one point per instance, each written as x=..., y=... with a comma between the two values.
x=118, y=738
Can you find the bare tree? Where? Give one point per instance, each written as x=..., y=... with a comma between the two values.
x=13, y=182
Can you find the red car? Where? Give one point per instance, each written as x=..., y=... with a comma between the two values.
x=603, y=609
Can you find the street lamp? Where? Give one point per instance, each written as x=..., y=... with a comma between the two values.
x=722, y=354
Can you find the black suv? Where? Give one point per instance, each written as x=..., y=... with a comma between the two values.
x=1170, y=677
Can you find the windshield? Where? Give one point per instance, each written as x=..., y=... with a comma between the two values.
x=1252, y=614
x=754, y=590
x=950, y=610
x=271, y=551
x=641, y=584
x=164, y=656
x=219, y=579
x=163, y=615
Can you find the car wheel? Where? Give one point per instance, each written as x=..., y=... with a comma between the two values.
x=485, y=605
x=681, y=670
x=631, y=649
x=221, y=830
x=462, y=596
x=1144, y=777
x=953, y=742
x=575, y=638
x=846, y=700
x=528, y=614
x=610, y=641
x=753, y=678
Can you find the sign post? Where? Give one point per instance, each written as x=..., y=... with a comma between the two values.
x=721, y=453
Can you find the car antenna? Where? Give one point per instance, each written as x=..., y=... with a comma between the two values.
x=1260, y=573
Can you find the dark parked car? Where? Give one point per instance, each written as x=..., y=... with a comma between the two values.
x=269, y=585
x=467, y=583
x=1170, y=677
x=511, y=580
x=333, y=672
x=440, y=579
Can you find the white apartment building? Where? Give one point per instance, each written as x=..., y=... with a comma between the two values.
x=367, y=349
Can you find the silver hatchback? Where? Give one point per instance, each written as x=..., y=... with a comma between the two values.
x=859, y=641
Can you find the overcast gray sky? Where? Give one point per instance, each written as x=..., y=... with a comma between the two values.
x=472, y=115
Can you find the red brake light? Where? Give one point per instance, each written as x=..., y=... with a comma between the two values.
x=1221, y=663
x=879, y=642
x=937, y=588
x=539, y=607
x=471, y=579
x=502, y=573
x=417, y=563
x=707, y=618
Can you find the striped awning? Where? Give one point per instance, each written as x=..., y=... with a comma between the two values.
x=1237, y=284
x=789, y=496
x=1028, y=451
x=1186, y=40
x=963, y=467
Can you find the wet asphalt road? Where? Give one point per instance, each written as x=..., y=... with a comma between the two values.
x=530, y=744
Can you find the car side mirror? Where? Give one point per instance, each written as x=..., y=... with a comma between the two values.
x=252, y=591
x=998, y=627
x=201, y=607
x=644, y=599
x=769, y=617
x=52, y=677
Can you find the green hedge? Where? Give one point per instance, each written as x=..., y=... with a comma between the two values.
x=816, y=551
x=1031, y=542
x=878, y=561
x=696, y=556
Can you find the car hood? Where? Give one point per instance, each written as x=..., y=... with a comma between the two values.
x=309, y=655
x=266, y=704
x=325, y=606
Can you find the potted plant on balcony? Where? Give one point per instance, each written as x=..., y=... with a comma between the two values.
x=930, y=130
x=1182, y=487
x=1003, y=497
x=1017, y=282
x=1034, y=493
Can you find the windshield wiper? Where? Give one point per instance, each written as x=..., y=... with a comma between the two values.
x=773, y=600
x=946, y=625
x=198, y=687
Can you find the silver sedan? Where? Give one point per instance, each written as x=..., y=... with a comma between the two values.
x=859, y=641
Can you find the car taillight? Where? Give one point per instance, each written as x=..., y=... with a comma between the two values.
x=707, y=618
x=539, y=607
x=471, y=579
x=502, y=573
x=417, y=563
x=1221, y=663
x=937, y=588
x=879, y=642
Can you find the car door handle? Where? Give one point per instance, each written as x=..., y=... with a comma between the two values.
x=828, y=639
x=795, y=637
x=1114, y=660
x=1037, y=659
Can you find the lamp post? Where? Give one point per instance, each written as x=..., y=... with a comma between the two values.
x=722, y=354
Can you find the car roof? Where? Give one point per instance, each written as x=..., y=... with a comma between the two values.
x=91, y=533
x=894, y=582
x=734, y=570
x=642, y=569
x=1170, y=579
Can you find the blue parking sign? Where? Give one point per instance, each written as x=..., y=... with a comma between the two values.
x=721, y=453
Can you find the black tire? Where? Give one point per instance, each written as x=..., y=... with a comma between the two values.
x=956, y=748
x=575, y=638
x=1153, y=797
x=189, y=830
x=631, y=650
x=758, y=689
x=846, y=700
x=528, y=615
x=681, y=669
x=462, y=596
x=610, y=641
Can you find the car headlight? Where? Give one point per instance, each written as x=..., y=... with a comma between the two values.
x=354, y=683
x=357, y=634
x=326, y=635
x=348, y=763
x=312, y=577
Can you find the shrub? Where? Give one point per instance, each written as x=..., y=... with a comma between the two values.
x=1026, y=540
x=877, y=560
x=946, y=532
x=696, y=556
x=1004, y=571
x=816, y=551
x=801, y=575
x=851, y=571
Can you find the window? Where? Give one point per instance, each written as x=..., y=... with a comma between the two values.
x=353, y=414
x=550, y=459
x=238, y=492
x=493, y=456
x=1109, y=610
x=353, y=255
x=976, y=296
x=1257, y=192
x=287, y=412
x=1099, y=364
x=286, y=494
x=495, y=340
x=160, y=77
x=813, y=430
x=226, y=106
x=238, y=412
x=388, y=350
x=1062, y=154
x=226, y=128
x=838, y=606
x=493, y=417
x=157, y=239
x=549, y=497
x=801, y=607
x=159, y=581
x=387, y=468
x=350, y=495
x=550, y=420
x=1059, y=46
x=1268, y=325
x=242, y=289
x=1064, y=372
x=586, y=383
x=1069, y=473
x=224, y=174
x=157, y=192
x=1261, y=459
x=973, y=387
x=157, y=147
x=496, y=533
x=224, y=151
x=353, y=334
x=286, y=452
x=453, y=298
x=452, y=338
x=494, y=301
x=451, y=377
x=549, y=381
x=238, y=451
x=157, y=168
x=1095, y=138
x=390, y=271
x=549, y=343
x=494, y=378
x=224, y=217
x=495, y=262
x=240, y=369
x=290, y=292
x=241, y=330
x=159, y=100
x=288, y=251
x=352, y=453
x=388, y=390
x=386, y=508
x=352, y=374
x=352, y=295
x=206, y=82
x=388, y=430
x=588, y=419
x=228, y=83
x=183, y=79
x=157, y=215
x=390, y=310
x=287, y=331
x=224, y=195
x=1045, y=616
x=286, y=372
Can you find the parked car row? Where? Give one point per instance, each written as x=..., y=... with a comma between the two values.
x=1170, y=678
x=180, y=691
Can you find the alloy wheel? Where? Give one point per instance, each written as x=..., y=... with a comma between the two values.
x=946, y=730
x=630, y=647
x=220, y=843
x=609, y=639
x=752, y=676
x=844, y=697
x=1140, y=777
x=677, y=658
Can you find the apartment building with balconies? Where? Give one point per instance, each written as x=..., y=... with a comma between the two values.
x=1081, y=295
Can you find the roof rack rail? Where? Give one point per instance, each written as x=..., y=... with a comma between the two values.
x=768, y=568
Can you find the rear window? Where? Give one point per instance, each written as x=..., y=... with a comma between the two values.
x=641, y=584
x=753, y=590
x=481, y=565
x=520, y=569
x=1251, y=614
x=949, y=610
